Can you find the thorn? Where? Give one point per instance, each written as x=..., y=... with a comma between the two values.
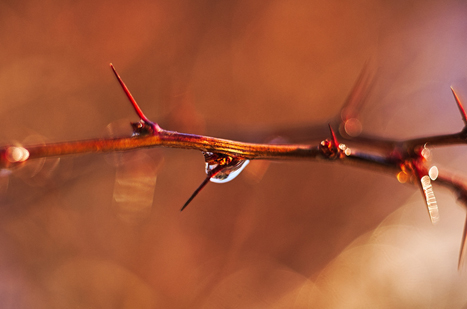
x=463, y=252
x=201, y=186
x=138, y=110
x=213, y=173
x=461, y=108
x=334, y=139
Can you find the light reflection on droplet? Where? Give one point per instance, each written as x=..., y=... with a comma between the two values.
x=433, y=173
x=228, y=173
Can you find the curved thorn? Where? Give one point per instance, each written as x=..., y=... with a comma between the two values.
x=459, y=105
x=138, y=110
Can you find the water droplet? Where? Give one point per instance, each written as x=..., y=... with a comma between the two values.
x=233, y=166
x=228, y=173
x=220, y=168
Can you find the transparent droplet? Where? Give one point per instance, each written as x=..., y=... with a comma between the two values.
x=233, y=167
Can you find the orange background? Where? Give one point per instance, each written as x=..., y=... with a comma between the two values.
x=94, y=231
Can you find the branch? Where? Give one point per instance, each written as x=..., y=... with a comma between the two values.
x=225, y=159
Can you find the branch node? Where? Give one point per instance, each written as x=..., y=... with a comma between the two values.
x=331, y=149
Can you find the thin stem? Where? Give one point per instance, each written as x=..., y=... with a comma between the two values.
x=172, y=140
x=393, y=156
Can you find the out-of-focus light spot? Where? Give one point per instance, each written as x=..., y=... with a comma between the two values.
x=353, y=127
x=426, y=153
x=17, y=154
x=431, y=203
x=403, y=177
x=433, y=173
x=345, y=149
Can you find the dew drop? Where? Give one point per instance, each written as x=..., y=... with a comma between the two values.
x=228, y=173
x=233, y=167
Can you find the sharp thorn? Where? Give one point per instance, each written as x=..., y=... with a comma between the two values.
x=459, y=105
x=135, y=105
x=334, y=138
x=463, y=252
x=203, y=184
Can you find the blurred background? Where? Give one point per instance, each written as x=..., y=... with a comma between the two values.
x=105, y=231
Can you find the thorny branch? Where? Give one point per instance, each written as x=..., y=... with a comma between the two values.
x=226, y=158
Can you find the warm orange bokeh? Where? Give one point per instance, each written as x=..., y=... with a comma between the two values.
x=294, y=235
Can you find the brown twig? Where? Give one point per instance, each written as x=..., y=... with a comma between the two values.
x=391, y=156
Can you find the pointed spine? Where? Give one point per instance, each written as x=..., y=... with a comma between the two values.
x=334, y=138
x=211, y=174
x=459, y=105
x=463, y=250
x=138, y=110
